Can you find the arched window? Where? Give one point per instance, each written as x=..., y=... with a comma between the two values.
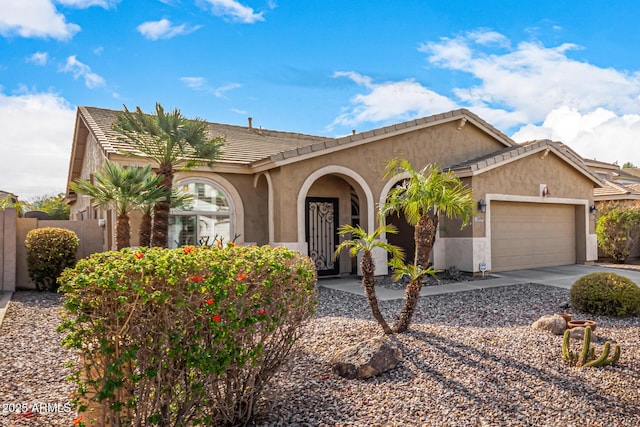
x=206, y=218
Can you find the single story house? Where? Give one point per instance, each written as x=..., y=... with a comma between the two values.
x=533, y=202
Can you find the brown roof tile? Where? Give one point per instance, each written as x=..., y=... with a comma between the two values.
x=243, y=145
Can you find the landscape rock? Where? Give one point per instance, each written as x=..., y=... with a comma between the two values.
x=577, y=333
x=366, y=359
x=552, y=323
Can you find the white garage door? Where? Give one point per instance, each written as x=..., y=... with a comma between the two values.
x=529, y=235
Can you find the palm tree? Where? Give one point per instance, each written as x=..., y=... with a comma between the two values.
x=170, y=140
x=364, y=242
x=422, y=197
x=121, y=189
x=179, y=199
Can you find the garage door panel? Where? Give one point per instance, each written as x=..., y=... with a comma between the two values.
x=528, y=235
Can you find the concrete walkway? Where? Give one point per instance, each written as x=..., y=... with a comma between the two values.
x=562, y=277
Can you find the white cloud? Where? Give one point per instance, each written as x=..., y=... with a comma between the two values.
x=39, y=58
x=527, y=89
x=36, y=131
x=532, y=78
x=599, y=134
x=547, y=94
x=78, y=69
x=163, y=29
x=34, y=18
x=390, y=101
x=233, y=10
x=83, y=4
x=220, y=91
x=195, y=83
x=200, y=84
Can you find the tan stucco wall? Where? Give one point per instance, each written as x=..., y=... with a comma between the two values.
x=442, y=144
x=524, y=177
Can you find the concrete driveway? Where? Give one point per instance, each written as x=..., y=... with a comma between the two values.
x=562, y=277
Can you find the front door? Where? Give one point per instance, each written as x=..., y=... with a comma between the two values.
x=322, y=233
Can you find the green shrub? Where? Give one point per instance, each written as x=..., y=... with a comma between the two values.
x=605, y=294
x=187, y=335
x=49, y=251
x=618, y=230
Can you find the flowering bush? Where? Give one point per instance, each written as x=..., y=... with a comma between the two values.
x=49, y=251
x=187, y=335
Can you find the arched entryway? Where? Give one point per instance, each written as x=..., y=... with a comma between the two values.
x=331, y=197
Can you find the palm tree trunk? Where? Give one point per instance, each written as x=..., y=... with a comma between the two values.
x=123, y=231
x=411, y=298
x=161, y=209
x=368, y=283
x=425, y=237
x=145, y=230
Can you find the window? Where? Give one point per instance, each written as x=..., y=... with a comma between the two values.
x=205, y=218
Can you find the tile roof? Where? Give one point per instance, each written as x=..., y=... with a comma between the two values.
x=506, y=155
x=613, y=190
x=243, y=145
x=249, y=145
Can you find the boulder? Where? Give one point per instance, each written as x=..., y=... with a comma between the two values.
x=366, y=359
x=552, y=323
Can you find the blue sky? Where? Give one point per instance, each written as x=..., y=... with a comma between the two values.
x=564, y=70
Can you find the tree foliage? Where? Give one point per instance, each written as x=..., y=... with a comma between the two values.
x=53, y=205
x=171, y=141
x=618, y=230
x=123, y=190
x=423, y=196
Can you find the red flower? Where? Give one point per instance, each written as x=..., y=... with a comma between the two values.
x=138, y=255
x=232, y=244
x=210, y=301
x=260, y=312
x=216, y=318
x=219, y=242
x=77, y=420
x=188, y=249
x=196, y=278
x=242, y=276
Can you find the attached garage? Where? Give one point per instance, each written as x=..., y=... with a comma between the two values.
x=532, y=235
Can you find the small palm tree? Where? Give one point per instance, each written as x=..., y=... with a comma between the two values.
x=170, y=140
x=123, y=190
x=416, y=274
x=364, y=242
x=422, y=197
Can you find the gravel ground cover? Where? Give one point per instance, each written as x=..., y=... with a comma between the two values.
x=470, y=359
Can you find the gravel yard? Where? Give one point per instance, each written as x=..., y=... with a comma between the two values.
x=470, y=359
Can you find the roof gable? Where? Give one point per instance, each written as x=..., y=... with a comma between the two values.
x=463, y=116
x=507, y=155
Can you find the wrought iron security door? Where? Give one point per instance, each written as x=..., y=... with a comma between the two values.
x=322, y=233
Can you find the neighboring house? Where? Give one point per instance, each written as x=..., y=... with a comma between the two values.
x=279, y=188
x=6, y=195
x=620, y=185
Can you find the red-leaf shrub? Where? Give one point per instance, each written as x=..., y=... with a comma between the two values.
x=183, y=336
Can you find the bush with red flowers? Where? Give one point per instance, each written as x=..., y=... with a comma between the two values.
x=188, y=335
